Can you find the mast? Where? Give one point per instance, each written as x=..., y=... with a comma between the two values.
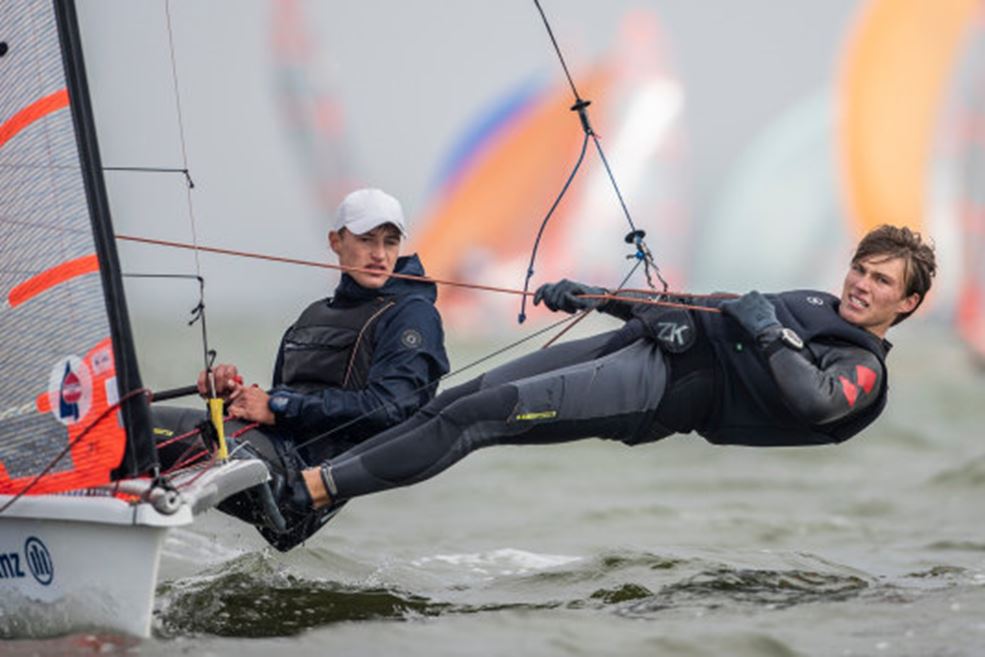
x=140, y=455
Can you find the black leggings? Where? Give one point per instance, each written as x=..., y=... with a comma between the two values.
x=568, y=392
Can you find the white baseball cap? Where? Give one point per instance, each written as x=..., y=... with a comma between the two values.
x=365, y=209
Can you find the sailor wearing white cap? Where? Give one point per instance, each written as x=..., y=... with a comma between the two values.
x=351, y=365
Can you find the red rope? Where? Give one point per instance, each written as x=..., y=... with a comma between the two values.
x=571, y=324
x=176, y=438
x=239, y=432
x=427, y=279
x=198, y=455
x=670, y=293
x=186, y=461
x=201, y=472
x=650, y=302
x=310, y=263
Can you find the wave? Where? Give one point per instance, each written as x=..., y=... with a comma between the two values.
x=971, y=474
x=258, y=595
x=255, y=597
x=723, y=587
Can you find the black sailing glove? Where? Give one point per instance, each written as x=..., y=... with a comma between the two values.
x=754, y=312
x=562, y=296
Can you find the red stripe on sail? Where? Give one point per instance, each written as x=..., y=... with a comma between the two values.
x=36, y=110
x=57, y=275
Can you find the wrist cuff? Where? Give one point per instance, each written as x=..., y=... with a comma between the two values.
x=769, y=335
x=329, y=481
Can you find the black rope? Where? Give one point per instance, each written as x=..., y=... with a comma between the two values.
x=420, y=389
x=184, y=172
x=479, y=361
x=543, y=225
x=636, y=235
x=197, y=313
x=557, y=49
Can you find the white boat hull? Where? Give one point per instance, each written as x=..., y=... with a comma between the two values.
x=62, y=576
x=70, y=564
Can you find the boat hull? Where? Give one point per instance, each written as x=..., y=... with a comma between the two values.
x=59, y=575
x=81, y=563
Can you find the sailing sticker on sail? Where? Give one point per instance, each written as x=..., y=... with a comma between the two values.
x=70, y=390
x=102, y=361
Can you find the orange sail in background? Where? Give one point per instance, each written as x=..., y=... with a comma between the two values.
x=893, y=80
x=515, y=175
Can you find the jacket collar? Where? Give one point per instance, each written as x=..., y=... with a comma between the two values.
x=349, y=290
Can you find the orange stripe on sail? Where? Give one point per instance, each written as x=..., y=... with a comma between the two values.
x=31, y=113
x=52, y=277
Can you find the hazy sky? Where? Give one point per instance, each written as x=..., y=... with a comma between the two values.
x=409, y=78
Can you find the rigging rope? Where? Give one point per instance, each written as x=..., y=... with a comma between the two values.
x=188, y=177
x=427, y=279
x=420, y=389
x=181, y=132
x=522, y=317
x=636, y=235
x=587, y=311
x=198, y=314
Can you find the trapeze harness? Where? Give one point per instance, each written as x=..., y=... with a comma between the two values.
x=329, y=347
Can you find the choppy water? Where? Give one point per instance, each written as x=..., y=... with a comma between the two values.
x=876, y=547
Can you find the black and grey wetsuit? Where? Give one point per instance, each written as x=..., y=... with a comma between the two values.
x=622, y=386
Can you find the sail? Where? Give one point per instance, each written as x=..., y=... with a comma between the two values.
x=70, y=407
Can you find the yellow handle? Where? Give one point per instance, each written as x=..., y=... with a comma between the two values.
x=215, y=414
